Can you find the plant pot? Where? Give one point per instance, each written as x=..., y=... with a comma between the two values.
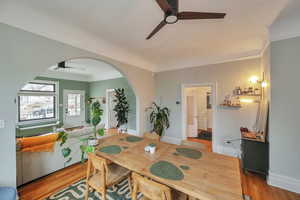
x=122, y=128
x=93, y=141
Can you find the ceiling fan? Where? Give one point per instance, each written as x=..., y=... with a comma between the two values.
x=63, y=66
x=172, y=15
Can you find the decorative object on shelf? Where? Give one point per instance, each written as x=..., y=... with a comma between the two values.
x=231, y=101
x=159, y=118
x=122, y=109
x=253, y=94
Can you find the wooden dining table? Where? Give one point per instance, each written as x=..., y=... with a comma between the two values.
x=211, y=177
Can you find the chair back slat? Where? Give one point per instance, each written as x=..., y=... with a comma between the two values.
x=149, y=189
x=98, y=165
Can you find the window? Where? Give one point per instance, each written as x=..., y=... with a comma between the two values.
x=37, y=102
x=74, y=107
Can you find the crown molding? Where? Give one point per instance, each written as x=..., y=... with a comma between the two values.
x=239, y=57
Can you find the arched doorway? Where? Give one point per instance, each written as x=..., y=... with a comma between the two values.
x=60, y=98
x=23, y=57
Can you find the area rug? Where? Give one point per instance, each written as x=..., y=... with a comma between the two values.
x=77, y=190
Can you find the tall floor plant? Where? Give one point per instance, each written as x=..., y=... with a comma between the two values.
x=122, y=107
x=159, y=118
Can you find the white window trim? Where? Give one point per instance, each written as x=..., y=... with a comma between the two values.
x=34, y=122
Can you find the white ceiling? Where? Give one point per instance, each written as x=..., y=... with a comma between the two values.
x=118, y=29
x=84, y=70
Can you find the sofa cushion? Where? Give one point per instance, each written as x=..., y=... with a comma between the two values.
x=7, y=193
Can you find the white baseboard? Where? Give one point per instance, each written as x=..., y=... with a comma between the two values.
x=284, y=182
x=171, y=140
x=228, y=151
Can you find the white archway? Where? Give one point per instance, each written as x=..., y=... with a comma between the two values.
x=23, y=56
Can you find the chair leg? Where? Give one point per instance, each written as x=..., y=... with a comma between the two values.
x=86, y=192
x=104, y=194
x=129, y=184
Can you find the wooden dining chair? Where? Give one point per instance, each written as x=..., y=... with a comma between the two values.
x=149, y=189
x=194, y=144
x=153, y=190
x=100, y=175
x=152, y=136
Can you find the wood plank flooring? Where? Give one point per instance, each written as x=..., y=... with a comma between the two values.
x=253, y=185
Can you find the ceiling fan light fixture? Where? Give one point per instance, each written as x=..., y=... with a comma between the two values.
x=171, y=19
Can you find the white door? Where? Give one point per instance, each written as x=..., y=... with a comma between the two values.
x=74, y=108
x=111, y=120
x=192, y=114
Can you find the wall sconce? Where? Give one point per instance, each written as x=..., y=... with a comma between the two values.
x=255, y=80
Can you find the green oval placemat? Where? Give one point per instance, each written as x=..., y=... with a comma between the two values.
x=133, y=139
x=166, y=170
x=112, y=149
x=190, y=153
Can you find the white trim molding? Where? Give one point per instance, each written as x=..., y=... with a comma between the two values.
x=213, y=86
x=284, y=182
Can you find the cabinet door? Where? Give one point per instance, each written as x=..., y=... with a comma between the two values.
x=255, y=156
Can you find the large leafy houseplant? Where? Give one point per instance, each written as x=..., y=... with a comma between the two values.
x=122, y=107
x=159, y=118
x=96, y=113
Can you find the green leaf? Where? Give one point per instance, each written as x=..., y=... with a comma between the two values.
x=69, y=160
x=90, y=149
x=66, y=152
x=101, y=132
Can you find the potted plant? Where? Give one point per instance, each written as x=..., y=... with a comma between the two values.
x=159, y=118
x=87, y=144
x=121, y=108
x=96, y=114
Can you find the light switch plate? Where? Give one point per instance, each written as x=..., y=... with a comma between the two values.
x=2, y=124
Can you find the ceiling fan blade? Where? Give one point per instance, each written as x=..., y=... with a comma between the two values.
x=157, y=28
x=164, y=5
x=200, y=15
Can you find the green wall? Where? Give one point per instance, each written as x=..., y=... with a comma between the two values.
x=98, y=89
x=92, y=89
x=63, y=85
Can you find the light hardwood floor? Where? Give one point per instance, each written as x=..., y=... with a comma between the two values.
x=253, y=185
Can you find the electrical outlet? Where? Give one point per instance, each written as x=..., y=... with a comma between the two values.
x=2, y=124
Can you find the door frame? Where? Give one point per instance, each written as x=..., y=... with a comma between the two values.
x=83, y=92
x=213, y=86
x=107, y=107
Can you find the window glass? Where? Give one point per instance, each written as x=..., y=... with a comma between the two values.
x=39, y=87
x=36, y=107
x=37, y=101
x=74, y=107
